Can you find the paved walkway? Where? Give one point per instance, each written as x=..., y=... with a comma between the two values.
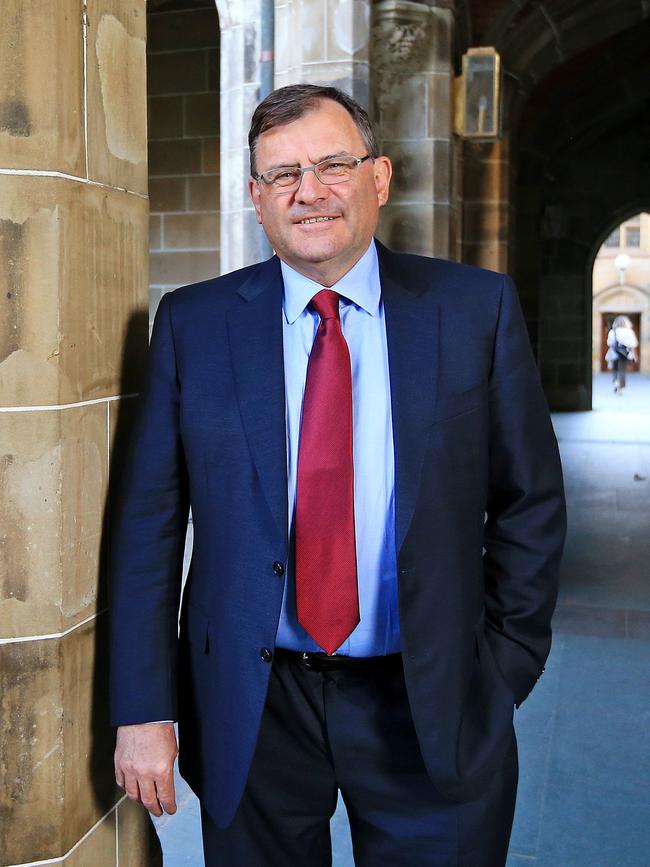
x=584, y=734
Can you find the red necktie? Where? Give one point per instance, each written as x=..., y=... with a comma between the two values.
x=326, y=564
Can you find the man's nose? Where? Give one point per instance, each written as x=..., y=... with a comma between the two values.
x=311, y=189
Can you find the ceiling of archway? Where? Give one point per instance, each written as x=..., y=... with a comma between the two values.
x=596, y=94
x=534, y=37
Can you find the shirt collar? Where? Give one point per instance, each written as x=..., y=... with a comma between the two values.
x=360, y=285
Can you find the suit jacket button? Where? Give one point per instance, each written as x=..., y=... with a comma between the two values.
x=266, y=655
x=278, y=568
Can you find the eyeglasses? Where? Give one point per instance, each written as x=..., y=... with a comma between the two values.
x=333, y=170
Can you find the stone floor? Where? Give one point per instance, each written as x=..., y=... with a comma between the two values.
x=584, y=734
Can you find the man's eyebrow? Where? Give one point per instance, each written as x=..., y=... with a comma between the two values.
x=282, y=166
x=287, y=165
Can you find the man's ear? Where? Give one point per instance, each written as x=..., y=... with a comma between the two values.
x=254, y=190
x=383, y=170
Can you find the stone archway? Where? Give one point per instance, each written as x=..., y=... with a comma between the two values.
x=579, y=150
x=630, y=294
x=576, y=93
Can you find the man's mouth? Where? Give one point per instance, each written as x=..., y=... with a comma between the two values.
x=308, y=220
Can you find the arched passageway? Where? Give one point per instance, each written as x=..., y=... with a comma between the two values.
x=573, y=159
x=584, y=159
x=621, y=287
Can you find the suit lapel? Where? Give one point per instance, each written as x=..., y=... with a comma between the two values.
x=412, y=321
x=255, y=335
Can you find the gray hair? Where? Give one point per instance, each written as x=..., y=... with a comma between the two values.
x=289, y=103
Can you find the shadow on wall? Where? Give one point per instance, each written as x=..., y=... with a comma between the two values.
x=138, y=835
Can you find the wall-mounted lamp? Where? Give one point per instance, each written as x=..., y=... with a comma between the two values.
x=622, y=262
x=477, y=92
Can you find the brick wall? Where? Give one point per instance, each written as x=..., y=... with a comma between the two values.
x=183, y=111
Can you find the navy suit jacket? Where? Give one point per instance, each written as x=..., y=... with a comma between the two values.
x=480, y=519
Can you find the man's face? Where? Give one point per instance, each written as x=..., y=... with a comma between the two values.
x=324, y=251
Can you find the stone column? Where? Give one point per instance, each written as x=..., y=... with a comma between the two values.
x=323, y=42
x=411, y=88
x=242, y=240
x=73, y=302
x=487, y=208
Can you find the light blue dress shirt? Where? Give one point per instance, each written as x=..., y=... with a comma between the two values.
x=364, y=327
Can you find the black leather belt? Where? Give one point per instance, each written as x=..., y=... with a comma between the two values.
x=323, y=662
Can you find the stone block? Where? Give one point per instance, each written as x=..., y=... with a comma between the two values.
x=439, y=114
x=486, y=221
x=176, y=269
x=485, y=180
x=121, y=415
x=285, y=42
x=412, y=170
x=422, y=171
x=31, y=770
x=402, y=103
x=443, y=38
x=250, y=100
x=98, y=849
x=41, y=99
x=211, y=156
x=233, y=134
x=191, y=28
x=138, y=841
x=191, y=231
x=167, y=194
x=348, y=30
x=404, y=38
x=442, y=169
x=350, y=76
x=252, y=51
x=52, y=497
x=203, y=193
x=492, y=255
x=202, y=114
x=55, y=777
x=155, y=232
x=441, y=234
x=232, y=45
x=213, y=69
x=309, y=29
x=77, y=268
x=165, y=117
x=176, y=72
x=175, y=157
x=117, y=94
x=408, y=228
x=88, y=738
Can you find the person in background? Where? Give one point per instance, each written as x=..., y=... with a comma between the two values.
x=622, y=343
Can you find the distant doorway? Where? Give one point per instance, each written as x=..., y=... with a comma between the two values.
x=606, y=323
x=621, y=286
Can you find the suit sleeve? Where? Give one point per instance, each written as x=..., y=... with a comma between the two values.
x=526, y=521
x=147, y=541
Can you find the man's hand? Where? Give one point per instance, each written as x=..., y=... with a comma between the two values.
x=144, y=765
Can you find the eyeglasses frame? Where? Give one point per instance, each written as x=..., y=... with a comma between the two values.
x=289, y=188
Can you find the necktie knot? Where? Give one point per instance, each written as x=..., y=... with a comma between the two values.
x=326, y=304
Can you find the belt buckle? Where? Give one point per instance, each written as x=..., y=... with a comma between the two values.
x=305, y=658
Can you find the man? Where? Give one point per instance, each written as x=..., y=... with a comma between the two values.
x=378, y=519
